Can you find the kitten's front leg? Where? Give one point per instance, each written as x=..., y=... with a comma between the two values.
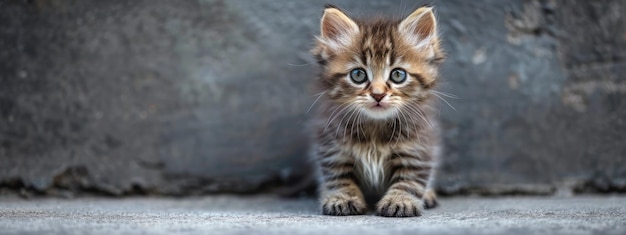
x=340, y=195
x=409, y=176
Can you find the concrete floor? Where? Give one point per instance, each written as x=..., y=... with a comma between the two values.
x=267, y=215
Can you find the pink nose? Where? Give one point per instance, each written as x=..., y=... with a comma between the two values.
x=378, y=97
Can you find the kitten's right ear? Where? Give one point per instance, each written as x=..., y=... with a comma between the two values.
x=337, y=29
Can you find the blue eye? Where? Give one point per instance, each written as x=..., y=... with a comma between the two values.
x=358, y=76
x=397, y=76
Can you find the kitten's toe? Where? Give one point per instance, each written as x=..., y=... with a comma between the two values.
x=430, y=199
x=343, y=205
x=399, y=206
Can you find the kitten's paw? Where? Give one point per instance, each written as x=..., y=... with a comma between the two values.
x=399, y=205
x=343, y=205
x=430, y=199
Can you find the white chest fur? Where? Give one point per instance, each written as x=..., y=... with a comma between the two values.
x=371, y=163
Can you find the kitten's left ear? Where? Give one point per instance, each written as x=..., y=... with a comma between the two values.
x=420, y=28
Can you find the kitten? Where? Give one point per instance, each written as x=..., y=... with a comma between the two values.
x=376, y=140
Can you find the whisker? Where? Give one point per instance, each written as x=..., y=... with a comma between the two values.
x=424, y=116
x=320, y=93
x=339, y=125
x=449, y=95
x=299, y=65
x=399, y=127
x=358, y=111
x=332, y=116
x=400, y=133
x=418, y=124
x=361, y=126
x=425, y=106
x=351, y=122
x=358, y=123
x=393, y=133
x=416, y=129
x=420, y=113
x=444, y=100
x=351, y=106
x=318, y=98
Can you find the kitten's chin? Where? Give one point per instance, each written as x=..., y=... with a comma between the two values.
x=379, y=113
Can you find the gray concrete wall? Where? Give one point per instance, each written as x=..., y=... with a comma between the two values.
x=186, y=97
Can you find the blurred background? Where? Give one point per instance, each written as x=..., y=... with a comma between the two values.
x=189, y=97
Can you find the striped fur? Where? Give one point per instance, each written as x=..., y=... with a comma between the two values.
x=368, y=152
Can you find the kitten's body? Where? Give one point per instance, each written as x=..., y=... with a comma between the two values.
x=376, y=138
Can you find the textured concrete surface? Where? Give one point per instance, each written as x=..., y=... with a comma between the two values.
x=200, y=96
x=264, y=215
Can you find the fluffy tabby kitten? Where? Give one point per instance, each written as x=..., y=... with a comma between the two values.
x=376, y=140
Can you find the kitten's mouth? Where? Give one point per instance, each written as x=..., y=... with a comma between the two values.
x=379, y=106
x=379, y=110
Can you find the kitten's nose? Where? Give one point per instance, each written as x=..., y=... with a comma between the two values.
x=378, y=97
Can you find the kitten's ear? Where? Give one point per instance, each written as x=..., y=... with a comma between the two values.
x=337, y=29
x=420, y=28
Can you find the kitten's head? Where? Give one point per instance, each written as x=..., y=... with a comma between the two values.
x=379, y=66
